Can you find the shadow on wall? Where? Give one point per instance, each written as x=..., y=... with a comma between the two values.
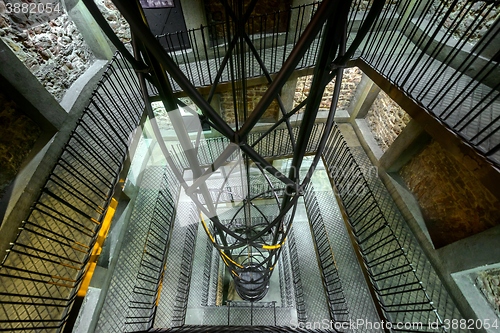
x=18, y=134
x=454, y=203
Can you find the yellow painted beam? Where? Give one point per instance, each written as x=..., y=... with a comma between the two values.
x=96, y=250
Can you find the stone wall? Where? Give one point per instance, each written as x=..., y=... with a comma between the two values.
x=386, y=120
x=53, y=51
x=351, y=79
x=254, y=94
x=18, y=134
x=366, y=4
x=489, y=284
x=467, y=13
x=273, y=23
x=115, y=20
x=454, y=203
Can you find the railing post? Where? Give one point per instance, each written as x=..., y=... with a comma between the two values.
x=274, y=311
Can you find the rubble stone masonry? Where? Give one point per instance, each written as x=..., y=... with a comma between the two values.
x=54, y=51
x=386, y=120
x=254, y=94
x=351, y=79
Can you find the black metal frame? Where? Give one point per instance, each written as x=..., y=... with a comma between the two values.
x=147, y=49
x=406, y=43
x=84, y=178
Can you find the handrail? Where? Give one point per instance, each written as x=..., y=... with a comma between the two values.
x=152, y=267
x=242, y=329
x=64, y=222
x=300, y=304
x=274, y=145
x=400, y=293
x=209, y=44
x=181, y=300
x=419, y=48
x=337, y=303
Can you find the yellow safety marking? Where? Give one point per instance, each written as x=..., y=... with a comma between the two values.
x=274, y=247
x=231, y=260
x=271, y=247
x=160, y=287
x=96, y=250
x=206, y=229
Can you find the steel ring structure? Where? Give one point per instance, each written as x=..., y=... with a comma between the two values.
x=249, y=240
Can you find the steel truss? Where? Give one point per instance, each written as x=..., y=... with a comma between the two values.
x=250, y=250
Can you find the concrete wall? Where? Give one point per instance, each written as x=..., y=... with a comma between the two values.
x=447, y=177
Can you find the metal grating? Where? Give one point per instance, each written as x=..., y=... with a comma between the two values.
x=46, y=263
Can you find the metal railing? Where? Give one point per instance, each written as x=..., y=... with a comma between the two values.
x=152, y=267
x=249, y=307
x=337, y=303
x=242, y=329
x=210, y=44
x=237, y=193
x=274, y=145
x=46, y=263
x=447, y=62
x=300, y=304
x=211, y=270
x=181, y=300
x=286, y=279
x=399, y=292
x=445, y=56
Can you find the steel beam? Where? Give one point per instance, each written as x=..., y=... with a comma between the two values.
x=141, y=30
x=325, y=10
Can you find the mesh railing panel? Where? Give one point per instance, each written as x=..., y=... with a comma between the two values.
x=45, y=265
x=339, y=311
x=439, y=53
x=401, y=293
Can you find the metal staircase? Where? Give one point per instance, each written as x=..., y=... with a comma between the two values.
x=413, y=46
